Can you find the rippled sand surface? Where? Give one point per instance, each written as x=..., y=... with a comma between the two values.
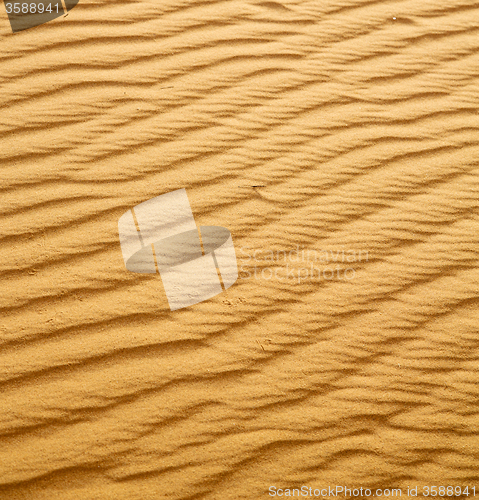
x=299, y=125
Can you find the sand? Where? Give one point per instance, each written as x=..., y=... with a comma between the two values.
x=327, y=126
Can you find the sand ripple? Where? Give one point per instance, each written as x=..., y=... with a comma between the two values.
x=326, y=125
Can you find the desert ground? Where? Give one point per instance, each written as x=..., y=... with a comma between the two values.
x=337, y=140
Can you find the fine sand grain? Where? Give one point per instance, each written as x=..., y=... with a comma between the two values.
x=321, y=125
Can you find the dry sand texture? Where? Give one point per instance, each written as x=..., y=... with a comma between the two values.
x=358, y=120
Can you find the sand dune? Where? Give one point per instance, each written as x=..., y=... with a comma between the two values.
x=329, y=126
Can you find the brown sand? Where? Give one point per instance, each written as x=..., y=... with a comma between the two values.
x=359, y=120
